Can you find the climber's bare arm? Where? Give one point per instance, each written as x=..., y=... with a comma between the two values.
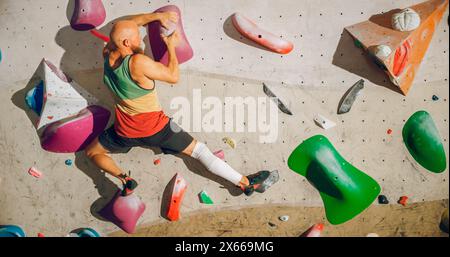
x=152, y=70
x=164, y=18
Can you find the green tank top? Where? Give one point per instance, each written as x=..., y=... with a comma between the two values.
x=120, y=82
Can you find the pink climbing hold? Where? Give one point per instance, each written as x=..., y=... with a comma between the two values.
x=184, y=50
x=73, y=134
x=124, y=211
x=88, y=14
x=250, y=30
x=220, y=154
x=35, y=172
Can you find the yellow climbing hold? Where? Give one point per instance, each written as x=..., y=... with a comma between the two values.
x=230, y=142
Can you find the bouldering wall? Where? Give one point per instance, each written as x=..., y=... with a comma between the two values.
x=311, y=80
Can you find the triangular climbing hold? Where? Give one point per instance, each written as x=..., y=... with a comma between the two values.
x=399, y=53
x=204, y=198
x=62, y=97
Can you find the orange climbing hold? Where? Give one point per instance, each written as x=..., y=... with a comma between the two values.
x=408, y=48
x=157, y=161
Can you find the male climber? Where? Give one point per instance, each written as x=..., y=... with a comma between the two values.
x=139, y=119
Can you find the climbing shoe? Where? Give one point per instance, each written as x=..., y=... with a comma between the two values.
x=260, y=182
x=129, y=185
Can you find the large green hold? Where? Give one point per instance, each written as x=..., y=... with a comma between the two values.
x=345, y=190
x=424, y=143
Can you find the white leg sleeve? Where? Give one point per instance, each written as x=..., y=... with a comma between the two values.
x=215, y=165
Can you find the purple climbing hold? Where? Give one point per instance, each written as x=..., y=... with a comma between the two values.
x=124, y=211
x=75, y=133
x=88, y=14
x=184, y=50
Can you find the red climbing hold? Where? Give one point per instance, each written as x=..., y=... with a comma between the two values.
x=99, y=35
x=403, y=200
x=389, y=131
x=314, y=231
x=179, y=186
x=401, y=57
x=157, y=161
x=40, y=235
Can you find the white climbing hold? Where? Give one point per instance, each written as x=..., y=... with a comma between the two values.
x=381, y=51
x=372, y=235
x=284, y=218
x=323, y=122
x=394, y=80
x=406, y=20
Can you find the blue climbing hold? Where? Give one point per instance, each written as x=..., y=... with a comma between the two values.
x=11, y=231
x=435, y=98
x=68, y=162
x=35, y=98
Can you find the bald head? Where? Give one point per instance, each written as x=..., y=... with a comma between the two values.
x=125, y=35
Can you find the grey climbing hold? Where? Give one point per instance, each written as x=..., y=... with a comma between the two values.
x=284, y=218
x=272, y=178
x=349, y=98
x=279, y=103
x=435, y=98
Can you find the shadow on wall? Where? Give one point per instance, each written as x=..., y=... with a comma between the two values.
x=352, y=59
x=231, y=31
x=105, y=187
x=18, y=99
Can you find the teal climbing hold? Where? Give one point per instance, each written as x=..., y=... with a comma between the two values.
x=87, y=232
x=11, y=231
x=424, y=143
x=345, y=190
x=35, y=98
x=1, y=56
x=68, y=162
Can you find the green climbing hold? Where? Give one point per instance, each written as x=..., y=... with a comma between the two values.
x=345, y=190
x=424, y=143
x=204, y=198
x=358, y=44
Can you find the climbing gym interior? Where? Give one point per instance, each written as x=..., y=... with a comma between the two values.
x=340, y=107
